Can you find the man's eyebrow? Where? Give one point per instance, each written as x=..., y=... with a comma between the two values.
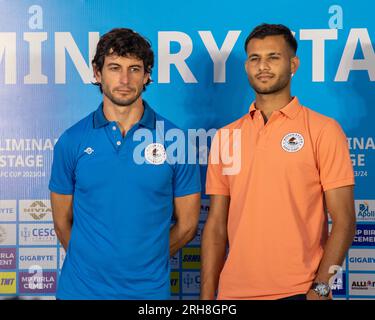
x=112, y=64
x=268, y=54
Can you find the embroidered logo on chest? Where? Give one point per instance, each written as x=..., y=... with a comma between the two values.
x=292, y=142
x=155, y=153
x=89, y=150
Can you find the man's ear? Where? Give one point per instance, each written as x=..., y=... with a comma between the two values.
x=146, y=77
x=294, y=64
x=97, y=73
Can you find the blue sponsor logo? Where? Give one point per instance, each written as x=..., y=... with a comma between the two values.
x=365, y=235
x=365, y=212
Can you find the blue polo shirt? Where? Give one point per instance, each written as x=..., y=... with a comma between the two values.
x=122, y=210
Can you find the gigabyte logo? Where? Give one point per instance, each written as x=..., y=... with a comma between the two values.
x=3, y=234
x=38, y=210
x=363, y=285
x=89, y=150
x=364, y=211
x=370, y=260
x=292, y=142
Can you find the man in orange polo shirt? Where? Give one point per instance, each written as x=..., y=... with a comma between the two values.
x=294, y=167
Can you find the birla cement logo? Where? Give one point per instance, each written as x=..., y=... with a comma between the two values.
x=365, y=210
x=365, y=235
x=35, y=210
x=37, y=281
x=7, y=258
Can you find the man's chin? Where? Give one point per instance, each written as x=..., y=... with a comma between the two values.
x=264, y=90
x=123, y=102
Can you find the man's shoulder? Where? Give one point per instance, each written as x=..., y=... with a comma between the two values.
x=321, y=125
x=168, y=124
x=317, y=119
x=236, y=124
x=73, y=134
x=81, y=126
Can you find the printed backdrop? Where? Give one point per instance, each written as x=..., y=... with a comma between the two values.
x=198, y=82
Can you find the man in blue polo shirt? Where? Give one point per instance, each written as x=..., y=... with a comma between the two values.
x=111, y=211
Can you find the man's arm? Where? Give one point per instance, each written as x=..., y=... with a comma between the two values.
x=340, y=205
x=62, y=212
x=214, y=243
x=186, y=212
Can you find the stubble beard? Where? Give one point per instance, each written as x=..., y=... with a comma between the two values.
x=121, y=102
x=281, y=84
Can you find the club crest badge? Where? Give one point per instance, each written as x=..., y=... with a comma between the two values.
x=155, y=153
x=292, y=142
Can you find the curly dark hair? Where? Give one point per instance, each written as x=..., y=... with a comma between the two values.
x=124, y=42
x=263, y=30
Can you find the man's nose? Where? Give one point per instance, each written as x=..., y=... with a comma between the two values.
x=263, y=65
x=124, y=77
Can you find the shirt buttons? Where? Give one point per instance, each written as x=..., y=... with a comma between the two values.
x=114, y=128
x=118, y=143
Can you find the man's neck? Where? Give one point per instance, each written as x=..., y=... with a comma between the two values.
x=268, y=103
x=125, y=116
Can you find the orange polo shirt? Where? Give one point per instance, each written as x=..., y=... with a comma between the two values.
x=277, y=226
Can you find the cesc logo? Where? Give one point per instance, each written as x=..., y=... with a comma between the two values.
x=38, y=234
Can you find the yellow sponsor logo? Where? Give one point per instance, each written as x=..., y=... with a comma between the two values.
x=191, y=258
x=175, y=282
x=8, y=283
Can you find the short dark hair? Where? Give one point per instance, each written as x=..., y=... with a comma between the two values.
x=263, y=30
x=124, y=42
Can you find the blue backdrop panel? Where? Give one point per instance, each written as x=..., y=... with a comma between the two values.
x=45, y=75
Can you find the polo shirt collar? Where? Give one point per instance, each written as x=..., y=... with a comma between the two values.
x=290, y=110
x=147, y=120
